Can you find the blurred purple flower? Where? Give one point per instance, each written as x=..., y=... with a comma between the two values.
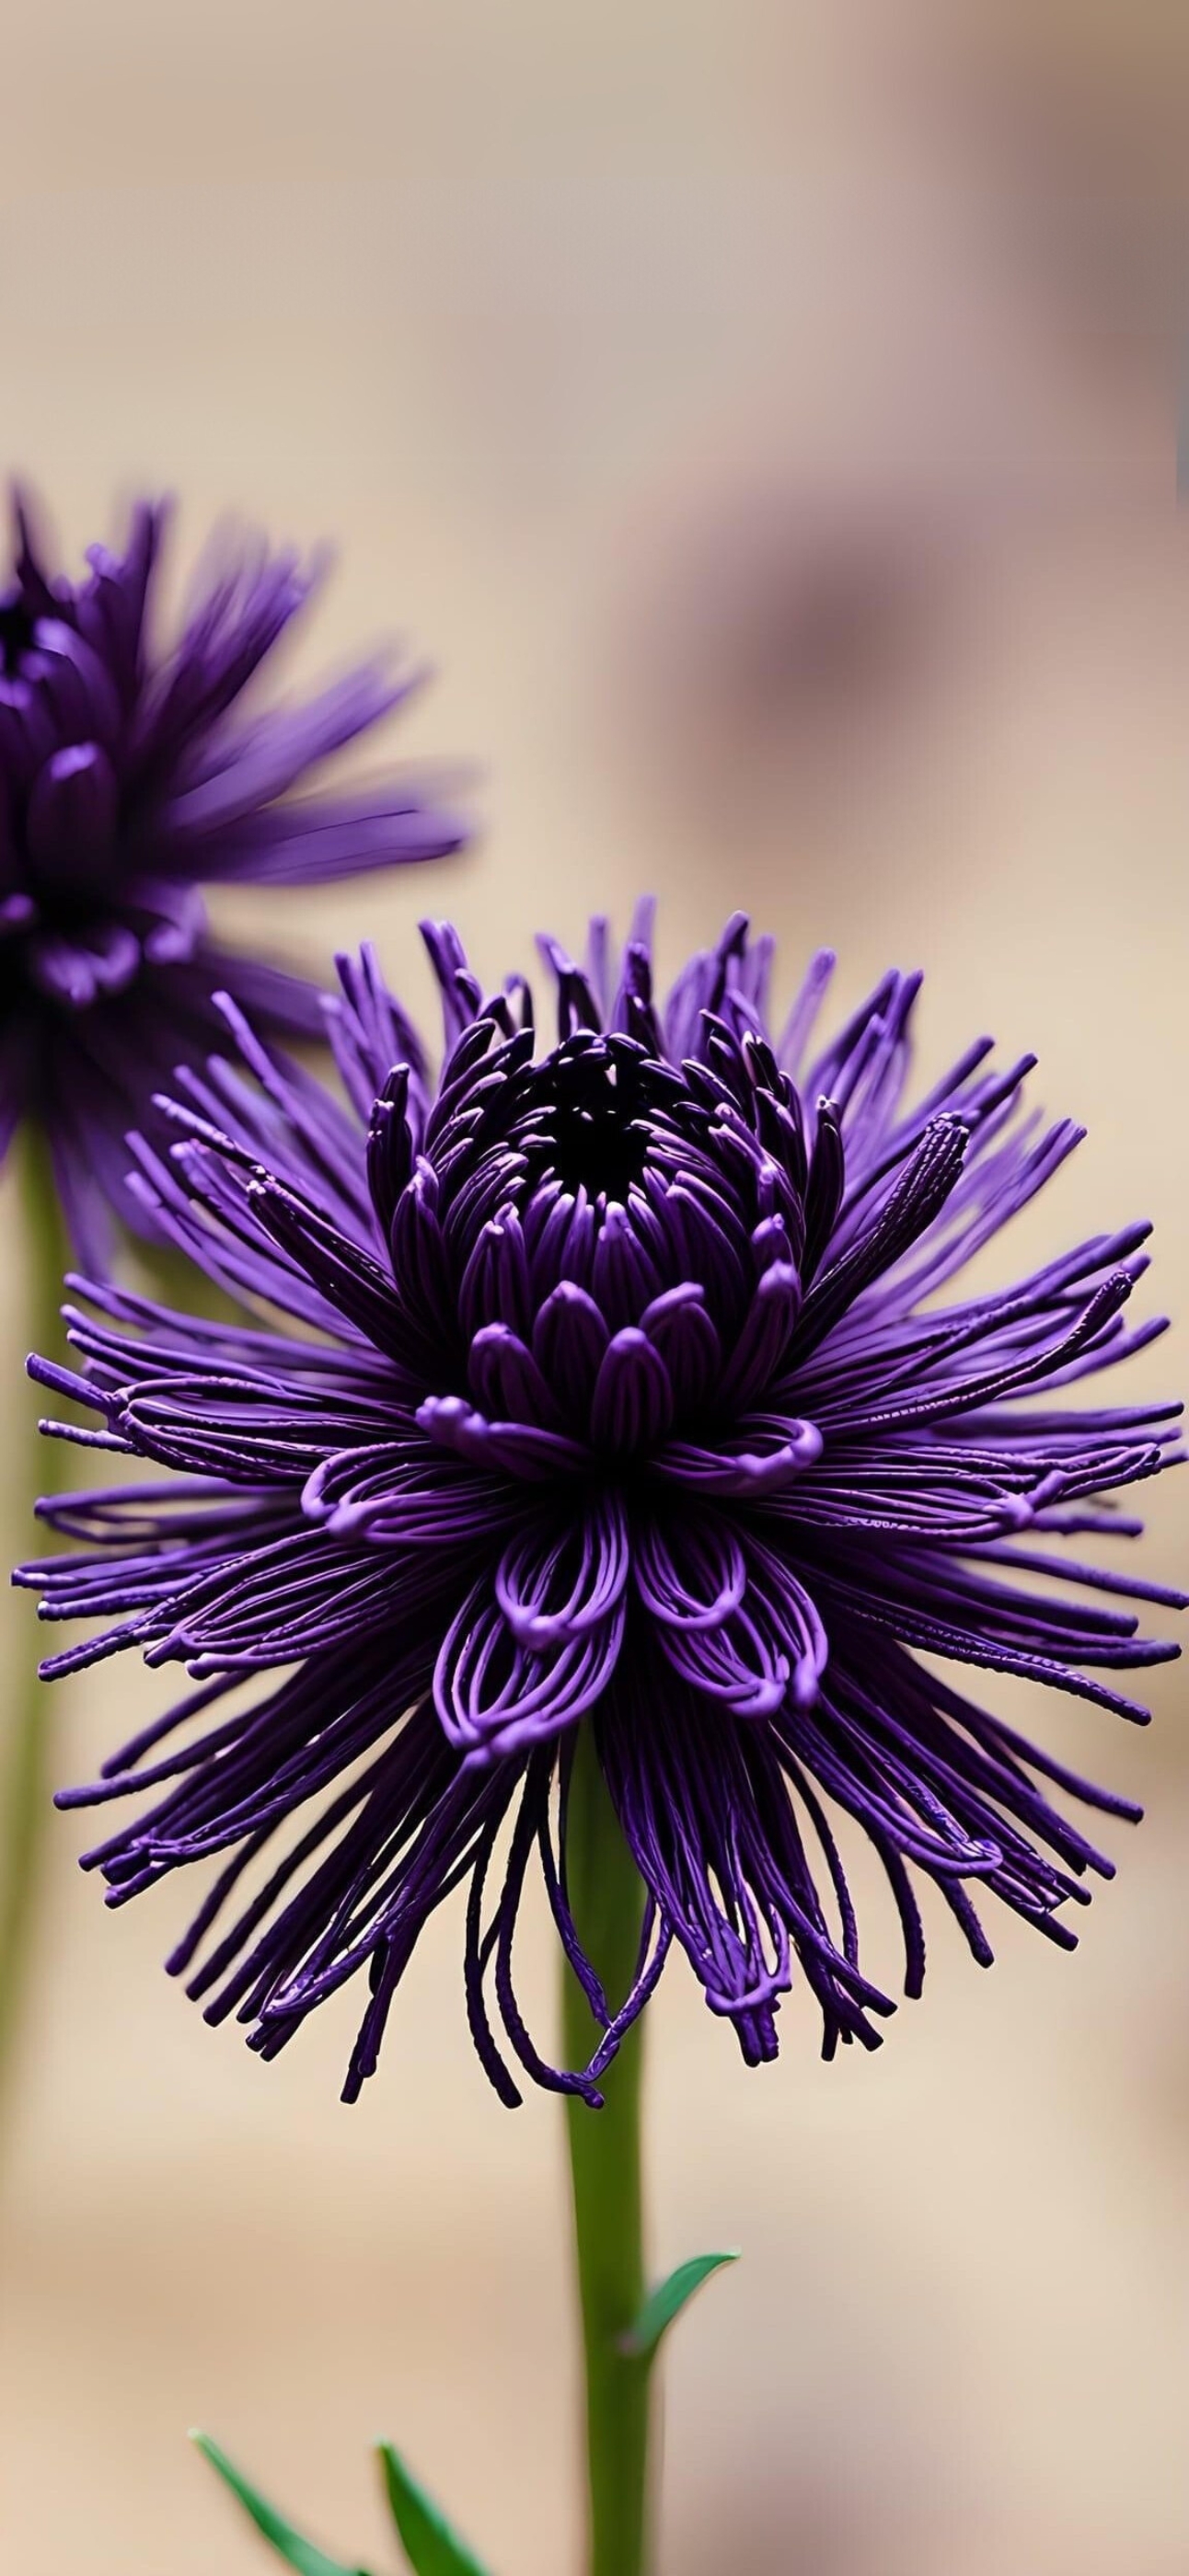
x=129, y=778
x=621, y=1396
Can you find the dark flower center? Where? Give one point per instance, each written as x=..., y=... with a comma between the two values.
x=587, y=1126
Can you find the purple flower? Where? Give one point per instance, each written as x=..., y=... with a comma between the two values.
x=624, y=1395
x=130, y=777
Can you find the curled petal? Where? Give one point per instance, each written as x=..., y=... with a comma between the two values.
x=767, y=1326
x=419, y=1262
x=739, y=1662
x=690, y=1573
x=513, y=1448
x=592, y=1560
x=507, y=1380
x=761, y=1456
x=632, y=1405
x=623, y=1275
x=398, y=1498
x=389, y=1146
x=679, y=1326
x=827, y=1180
x=496, y=1696
x=769, y=1645
x=569, y=1338
x=495, y=1286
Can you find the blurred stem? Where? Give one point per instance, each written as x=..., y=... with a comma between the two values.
x=24, y=1724
x=607, y=1900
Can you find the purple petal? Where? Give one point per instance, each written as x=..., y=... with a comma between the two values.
x=632, y=1404
x=495, y=1696
x=552, y=1589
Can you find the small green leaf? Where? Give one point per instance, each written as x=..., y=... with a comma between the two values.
x=432, y=2548
x=667, y=2301
x=298, y=2553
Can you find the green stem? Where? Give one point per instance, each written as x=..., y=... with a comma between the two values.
x=25, y=1807
x=607, y=1900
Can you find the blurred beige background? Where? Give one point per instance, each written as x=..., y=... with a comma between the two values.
x=764, y=418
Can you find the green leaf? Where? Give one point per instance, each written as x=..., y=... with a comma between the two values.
x=288, y=2543
x=667, y=2301
x=432, y=2548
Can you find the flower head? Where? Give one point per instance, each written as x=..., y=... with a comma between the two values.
x=624, y=1394
x=129, y=778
